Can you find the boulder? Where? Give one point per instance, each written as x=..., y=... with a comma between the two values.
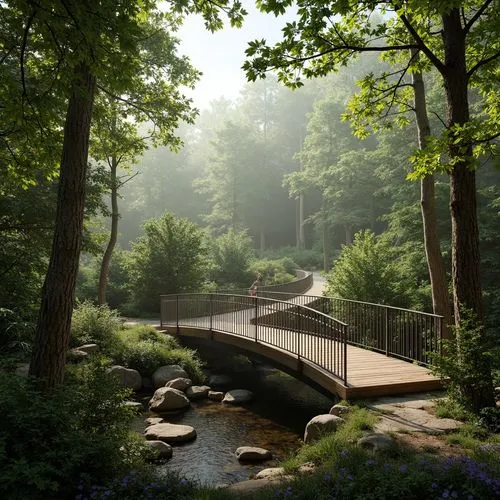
x=320, y=425
x=75, y=355
x=340, y=410
x=270, y=473
x=89, y=348
x=197, y=392
x=163, y=374
x=159, y=449
x=153, y=420
x=127, y=377
x=376, y=442
x=181, y=384
x=253, y=454
x=215, y=395
x=218, y=380
x=168, y=399
x=237, y=396
x=170, y=433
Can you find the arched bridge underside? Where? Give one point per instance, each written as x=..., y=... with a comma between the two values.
x=310, y=343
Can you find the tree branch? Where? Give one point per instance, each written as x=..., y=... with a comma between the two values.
x=482, y=63
x=421, y=44
x=487, y=139
x=476, y=16
x=23, y=49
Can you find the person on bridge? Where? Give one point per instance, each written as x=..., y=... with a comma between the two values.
x=255, y=285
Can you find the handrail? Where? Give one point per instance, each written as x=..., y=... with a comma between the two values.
x=296, y=287
x=403, y=333
x=303, y=331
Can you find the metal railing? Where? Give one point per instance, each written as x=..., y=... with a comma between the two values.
x=303, y=331
x=402, y=333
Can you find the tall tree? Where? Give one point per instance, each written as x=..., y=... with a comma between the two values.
x=119, y=138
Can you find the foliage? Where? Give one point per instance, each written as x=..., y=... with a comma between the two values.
x=464, y=360
x=304, y=258
x=16, y=335
x=231, y=254
x=48, y=443
x=168, y=258
x=366, y=271
x=142, y=485
x=94, y=324
x=145, y=349
x=118, y=292
x=274, y=272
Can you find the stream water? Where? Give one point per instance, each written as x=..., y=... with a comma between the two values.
x=274, y=420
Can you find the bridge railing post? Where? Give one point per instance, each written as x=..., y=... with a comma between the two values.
x=256, y=318
x=344, y=342
x=211, y=311
x=177, y=314
x=386, y=315
x=299, y=325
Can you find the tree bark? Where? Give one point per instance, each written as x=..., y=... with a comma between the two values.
x=113, y=236
x=464, y=224
x=465, y=232
x=435, y=264
x=54, y=318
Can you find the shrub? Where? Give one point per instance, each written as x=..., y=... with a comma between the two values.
x=366, y=271
x=144, y=349
x=231, y=254
x=304, y=258
x=48, y=443
x=274, y=271
x=91, y=323
x=168, y=258
x=465, y=363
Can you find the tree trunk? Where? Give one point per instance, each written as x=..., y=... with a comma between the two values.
x=54, y=319
x=464, y=225
x=435, y=264
x=113, y=236
x=465, y=233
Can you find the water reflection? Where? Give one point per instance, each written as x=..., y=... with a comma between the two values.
x=275, y=420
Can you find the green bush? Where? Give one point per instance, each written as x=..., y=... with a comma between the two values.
x=94, y=324
x=366, y=271
x=168, y=258
x=145, y=349
x=465, y=362
x=49, y=443
x=304, y=258
x=231, y=254
x=274, y=272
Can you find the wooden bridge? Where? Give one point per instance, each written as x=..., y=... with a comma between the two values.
x=352, y=349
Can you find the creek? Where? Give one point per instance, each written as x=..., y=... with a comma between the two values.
x=274, y=420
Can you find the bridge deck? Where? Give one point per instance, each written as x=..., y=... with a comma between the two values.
x=369, y=373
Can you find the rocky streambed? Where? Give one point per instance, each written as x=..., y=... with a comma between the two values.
x=264, y=409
